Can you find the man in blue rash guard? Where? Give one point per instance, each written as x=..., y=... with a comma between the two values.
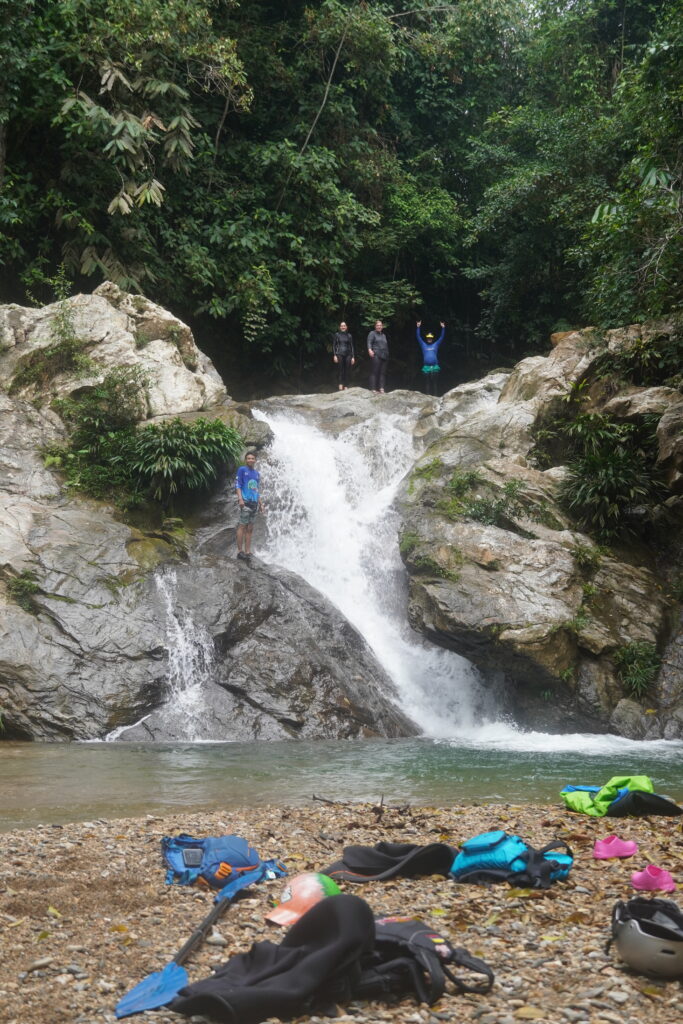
x=430, y=357
x=247, y=484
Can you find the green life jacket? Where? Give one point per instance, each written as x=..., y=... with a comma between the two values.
x=596, y=801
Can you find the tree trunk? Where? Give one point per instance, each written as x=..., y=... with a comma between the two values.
x=3, y=150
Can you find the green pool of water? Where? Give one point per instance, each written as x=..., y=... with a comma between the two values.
x=57, y=783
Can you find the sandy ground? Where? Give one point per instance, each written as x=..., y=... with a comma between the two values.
x=85, y=913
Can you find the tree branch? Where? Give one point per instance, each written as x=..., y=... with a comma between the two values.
x=423, y=10
x=320, y=108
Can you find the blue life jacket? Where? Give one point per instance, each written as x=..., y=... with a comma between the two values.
x=226, y=863
x=430, y=349
x=499, y=857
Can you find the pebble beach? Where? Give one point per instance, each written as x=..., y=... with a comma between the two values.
x=85, y=913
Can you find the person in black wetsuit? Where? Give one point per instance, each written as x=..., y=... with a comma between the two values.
x=378, y=350
x=343, y=354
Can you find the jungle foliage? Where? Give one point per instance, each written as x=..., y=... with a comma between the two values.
x=271, y=167
x=613, y=486
x=637, y=666
x=107, y=456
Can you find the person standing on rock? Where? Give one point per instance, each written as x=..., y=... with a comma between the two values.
x=430, y=357
x=247, y=486
x=343, y=354
x=378, y=350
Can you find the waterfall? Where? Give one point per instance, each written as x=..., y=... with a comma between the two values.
x=329, y=518
x=190, y=663
x=190, y=660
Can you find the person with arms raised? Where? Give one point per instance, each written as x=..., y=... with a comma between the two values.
x=430, y=357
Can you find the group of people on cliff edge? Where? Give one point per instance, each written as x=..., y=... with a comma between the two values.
x=344, y=356
x=248, y=478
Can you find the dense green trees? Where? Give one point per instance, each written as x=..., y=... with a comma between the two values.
x=266, y=168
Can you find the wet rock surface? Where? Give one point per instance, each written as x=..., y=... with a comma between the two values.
x=499, y=573
x=86, y=649
x=287, y=664
x=337, y=412
x=93, y=653
x=85, y=913
x=87, y=639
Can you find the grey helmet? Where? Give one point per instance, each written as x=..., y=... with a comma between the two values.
x=648, y=935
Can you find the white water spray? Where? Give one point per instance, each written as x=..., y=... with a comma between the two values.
x=190, y=660
x=330, y=520
x=190, y=664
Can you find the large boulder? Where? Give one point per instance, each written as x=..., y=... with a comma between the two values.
x=24, y=432
x=112, y=329
x=93, y=643
x=92, y=633
x=499, y=573
x=286, y=664
x=335, y=413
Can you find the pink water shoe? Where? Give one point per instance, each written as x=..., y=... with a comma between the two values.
x=613, y=846
x=653, y=879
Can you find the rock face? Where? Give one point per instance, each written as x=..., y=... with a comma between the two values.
x=498, y=573
x=103, y=623
x=90, y=640
x=287, y=665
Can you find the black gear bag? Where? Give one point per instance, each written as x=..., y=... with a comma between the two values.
x=410, y=957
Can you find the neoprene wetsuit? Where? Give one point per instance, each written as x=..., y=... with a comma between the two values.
x=342, y=348
x=378, y=363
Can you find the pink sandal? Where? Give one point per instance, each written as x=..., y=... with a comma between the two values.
x=653, y=879
x=613, y=846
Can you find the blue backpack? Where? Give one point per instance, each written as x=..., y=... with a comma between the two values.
x=499, y=857
x=226, y=863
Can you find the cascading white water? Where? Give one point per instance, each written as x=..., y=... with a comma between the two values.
x=330, y=520
x=190, y=659
x=190, y=663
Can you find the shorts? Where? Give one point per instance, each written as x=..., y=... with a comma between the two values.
x=435, y=368
x=248, y=513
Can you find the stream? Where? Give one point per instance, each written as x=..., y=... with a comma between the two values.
x=329, y=519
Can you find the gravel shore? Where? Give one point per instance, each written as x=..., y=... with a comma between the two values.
x=85, y=913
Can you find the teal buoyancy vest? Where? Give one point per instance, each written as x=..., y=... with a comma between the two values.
x=499, y=857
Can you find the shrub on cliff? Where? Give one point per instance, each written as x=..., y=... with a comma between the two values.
x=611, y=472
x=176, y=456
x=128, y=465
x=637, y=666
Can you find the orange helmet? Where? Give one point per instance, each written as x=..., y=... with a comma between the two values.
x=299, y=895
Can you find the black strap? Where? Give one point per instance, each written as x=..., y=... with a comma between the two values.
x=463, y=958
x=434, y=967
x=484, y=876
x=538, y=867
x=394, y=978
x=424, y=973
x=557, y=844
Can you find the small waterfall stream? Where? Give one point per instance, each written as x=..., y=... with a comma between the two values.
x=190, y=659
x=190, y=663
x=329, y=519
